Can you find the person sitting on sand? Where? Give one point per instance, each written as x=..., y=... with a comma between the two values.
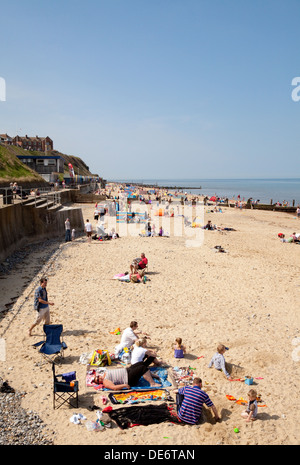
x=190, y=409
x=295, y=237
x=128, y=338
x=290, y=239
x=179, y=348
x=209, y=226
x=141, y=353
x=250, y=413
x=127, y=377
x=218, y=360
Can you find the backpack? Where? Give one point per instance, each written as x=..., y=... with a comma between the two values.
x=36, y=303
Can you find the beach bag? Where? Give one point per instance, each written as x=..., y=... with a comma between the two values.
x=100, y=358
x=36, y=303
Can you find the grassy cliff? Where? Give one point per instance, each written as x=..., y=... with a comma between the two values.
x=12, y=169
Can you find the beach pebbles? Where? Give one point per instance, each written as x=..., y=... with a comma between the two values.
x=17, y=426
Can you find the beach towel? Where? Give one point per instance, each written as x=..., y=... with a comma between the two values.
x=122, y=277
x=136, y=396
x=127, y=417
x=126, y=277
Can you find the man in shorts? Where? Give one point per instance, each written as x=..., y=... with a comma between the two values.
x=42, y=307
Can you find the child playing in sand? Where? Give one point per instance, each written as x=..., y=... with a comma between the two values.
x=179, y=349
x=250, y=413
x=218, y=360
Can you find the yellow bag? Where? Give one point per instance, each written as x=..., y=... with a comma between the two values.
x=100, y=358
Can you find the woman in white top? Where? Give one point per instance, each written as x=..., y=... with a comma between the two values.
x=140, y=353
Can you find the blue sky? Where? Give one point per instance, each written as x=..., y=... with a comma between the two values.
x=159, y=89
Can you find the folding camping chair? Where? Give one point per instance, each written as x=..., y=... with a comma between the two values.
x=65, y=388
x=52, y=346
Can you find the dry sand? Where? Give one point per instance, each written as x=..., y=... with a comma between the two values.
x=247, y=298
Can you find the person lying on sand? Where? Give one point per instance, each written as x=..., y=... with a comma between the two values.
x=127, y=377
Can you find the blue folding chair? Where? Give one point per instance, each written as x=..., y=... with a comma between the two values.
x=53, y=345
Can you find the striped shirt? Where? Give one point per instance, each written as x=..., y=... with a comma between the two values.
x=191, y=407
x=117, y=375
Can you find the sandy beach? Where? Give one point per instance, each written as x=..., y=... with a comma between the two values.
x=247, y=299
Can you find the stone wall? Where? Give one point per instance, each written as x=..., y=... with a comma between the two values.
x=89, y=198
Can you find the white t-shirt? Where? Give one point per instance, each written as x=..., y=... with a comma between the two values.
x=88, y=227
x=128, y=337
x=138, y=354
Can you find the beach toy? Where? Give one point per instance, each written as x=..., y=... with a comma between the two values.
x=248, y=380
x=236, y=430
x=116, y=331
x=241, y=401
x=229, y=397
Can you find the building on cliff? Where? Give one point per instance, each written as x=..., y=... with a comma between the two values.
x=48, y=166
x=40, y=144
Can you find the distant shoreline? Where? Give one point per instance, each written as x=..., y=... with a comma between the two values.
x=154, y=186
x=263, y=190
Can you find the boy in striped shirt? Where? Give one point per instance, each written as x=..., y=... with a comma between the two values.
x=193, y=400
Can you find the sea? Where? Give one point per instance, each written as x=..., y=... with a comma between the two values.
x=264, y=190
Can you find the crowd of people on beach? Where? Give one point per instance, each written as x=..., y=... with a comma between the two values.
x=190, y=397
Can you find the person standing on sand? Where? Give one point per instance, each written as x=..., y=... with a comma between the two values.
x=41, y=305
x=88, y=230
x=68, y=230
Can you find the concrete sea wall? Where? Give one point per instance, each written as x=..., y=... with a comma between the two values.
x=21, y=225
